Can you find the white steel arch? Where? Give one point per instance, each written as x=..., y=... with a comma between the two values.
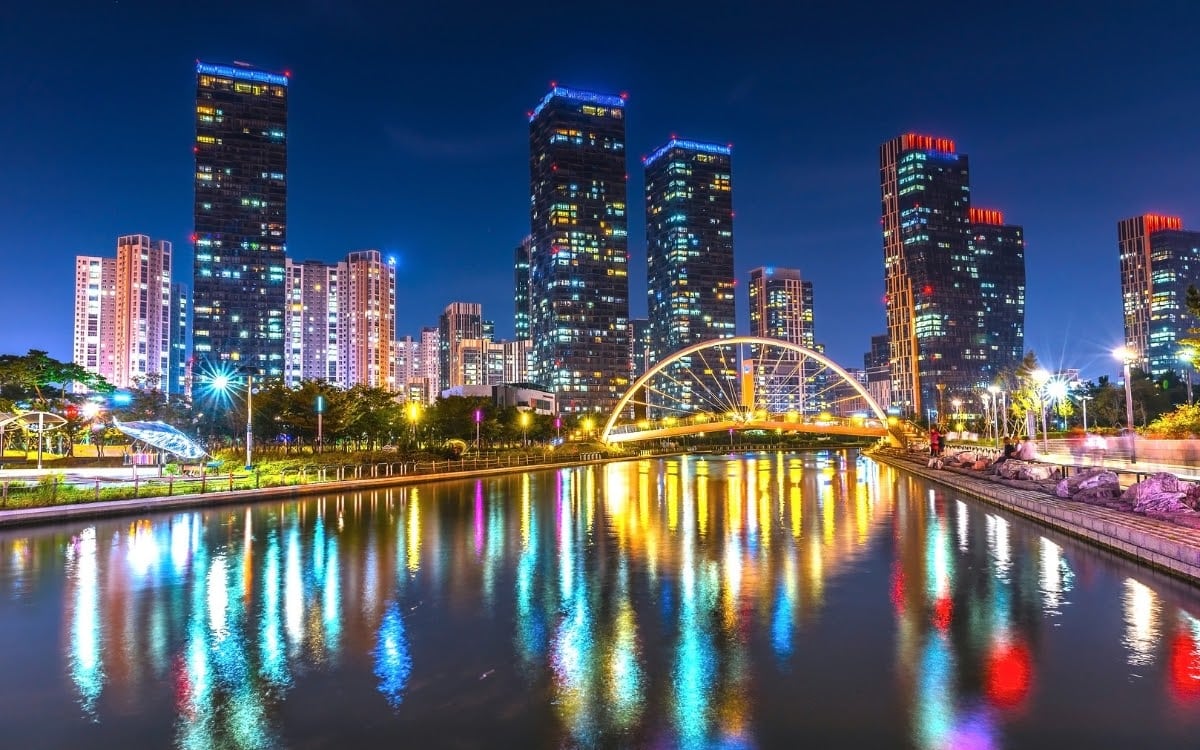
x=637, y=385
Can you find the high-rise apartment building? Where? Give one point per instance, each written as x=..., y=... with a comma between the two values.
x=954, y=280
x=1159, y=260
x=240, y=216
x=341, y=321
x=579, y=281
x=689, y=249
x=999, y=252
x=430, y=362
x=142, y=350
x=312, y=291
x=639, y=347
x=458, y=363
x=95, y=314
x=521, y=289
x=781, y=307
x=878, y=370
x=123, y=314
x=179, y=371
x=367, y=319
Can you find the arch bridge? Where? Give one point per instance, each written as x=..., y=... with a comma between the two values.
x=747, y=383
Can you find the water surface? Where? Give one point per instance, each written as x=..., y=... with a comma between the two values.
x=746, y=601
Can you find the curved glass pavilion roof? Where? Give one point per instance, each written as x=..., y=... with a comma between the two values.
x=164, y=437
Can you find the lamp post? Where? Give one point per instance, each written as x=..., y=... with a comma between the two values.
x=224, y=384
x=525, y=428
x=478, y=421
x=1126, y=355
x=995, y=391
x=986, y=400
x=956, y=416
x=558, y=429
x=941, y=388
x=1083, y=399
x=414, y=414
x=1188, y=357
x=1041, y=377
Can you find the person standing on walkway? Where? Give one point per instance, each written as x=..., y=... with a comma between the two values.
x=935, y=442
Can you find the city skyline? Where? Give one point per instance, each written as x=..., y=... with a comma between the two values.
x=822, y=176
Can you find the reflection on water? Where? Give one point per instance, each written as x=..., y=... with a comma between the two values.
x=691, y=602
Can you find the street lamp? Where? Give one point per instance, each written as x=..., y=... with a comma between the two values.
x=1056, y=389
x=995, y=391
x=941, y=388
x=957, y=404
x=1083, y=399
x=1126, y=355
x=1188, y=357
x=525, y=428
x=478, y=421
x=223, y=383
x=414, y=415
x=1041, y=376
x=587, y=427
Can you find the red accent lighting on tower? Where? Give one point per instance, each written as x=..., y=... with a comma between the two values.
x=987, y=216
x=926, y=143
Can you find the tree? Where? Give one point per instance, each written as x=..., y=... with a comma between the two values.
x=34, y=375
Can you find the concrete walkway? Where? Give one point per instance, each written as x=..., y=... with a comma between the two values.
x=1159, y=544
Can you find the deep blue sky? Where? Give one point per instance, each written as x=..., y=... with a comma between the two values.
x=408, y=132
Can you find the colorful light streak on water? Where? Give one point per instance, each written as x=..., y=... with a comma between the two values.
x=690, y=602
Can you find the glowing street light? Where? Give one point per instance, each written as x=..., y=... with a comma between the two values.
x=525, y=428
x=1041, y=377
x=478, y=421
x=1126, y=356
x=413, y=411
x=1188, y=357
x=223, y=383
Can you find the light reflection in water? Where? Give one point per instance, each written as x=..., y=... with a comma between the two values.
x=648, y=602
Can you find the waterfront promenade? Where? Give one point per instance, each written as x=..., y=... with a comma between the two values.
x=1167, y=546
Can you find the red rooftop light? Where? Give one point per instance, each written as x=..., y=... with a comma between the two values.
x=926, y=142
x=987, y=216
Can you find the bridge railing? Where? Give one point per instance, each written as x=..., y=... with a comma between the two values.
x=747, y=419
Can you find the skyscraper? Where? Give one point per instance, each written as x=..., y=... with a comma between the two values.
x=123, y=314
x=1159, y=260
x=781, y=307
x=240, y=215
x=313, y=293
x=579, y=282
x=999, y=251
x=951, y=325
x=367, y=298
x=459, y=365
x=639, y=346
x=689, y=249
x=95, y=314
x=341, y=321
x=521, y=289
x=430, y=362
x=179, y=371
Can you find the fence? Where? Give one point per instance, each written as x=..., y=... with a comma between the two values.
x=55, y=490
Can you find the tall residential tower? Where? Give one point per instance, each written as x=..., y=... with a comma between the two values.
x=689, y=249
x=240, y=215
x=1159, y=260
x=579, y=280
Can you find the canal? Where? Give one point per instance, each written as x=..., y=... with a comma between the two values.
x=761, y=600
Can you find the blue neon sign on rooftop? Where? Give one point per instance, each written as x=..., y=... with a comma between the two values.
x=577, y=95
x=706, y=148
x=241, y=74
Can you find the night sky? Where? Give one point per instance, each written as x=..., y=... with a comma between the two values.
x=408, y=132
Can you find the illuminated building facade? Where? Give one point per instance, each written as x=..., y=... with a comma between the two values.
x=459, y=364
x=341, y=321
x=95, y=314
x=954, y=279
x=1159, y=260
x=999, y=251
x=312, y=292
x=878, y=371
x=430, y=362
x=521, y=289
x=781, y=307
x=179, y=371
x=579, y=281
x=240, y=218
x=689, y=249
x=639, y=346
x=124, y=315
x=367, y=319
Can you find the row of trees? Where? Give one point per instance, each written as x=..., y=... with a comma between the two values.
x=360, y=418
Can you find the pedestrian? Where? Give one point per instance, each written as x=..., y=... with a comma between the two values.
x=935, y=442
x=1026, y=451
x=1010, y=448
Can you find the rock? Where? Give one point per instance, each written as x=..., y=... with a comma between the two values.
x=1085, y=480
x=1161, y=493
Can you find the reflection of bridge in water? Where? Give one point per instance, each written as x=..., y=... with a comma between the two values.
x=711, y=387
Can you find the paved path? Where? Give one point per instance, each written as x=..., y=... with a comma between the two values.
x=1159, y=544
